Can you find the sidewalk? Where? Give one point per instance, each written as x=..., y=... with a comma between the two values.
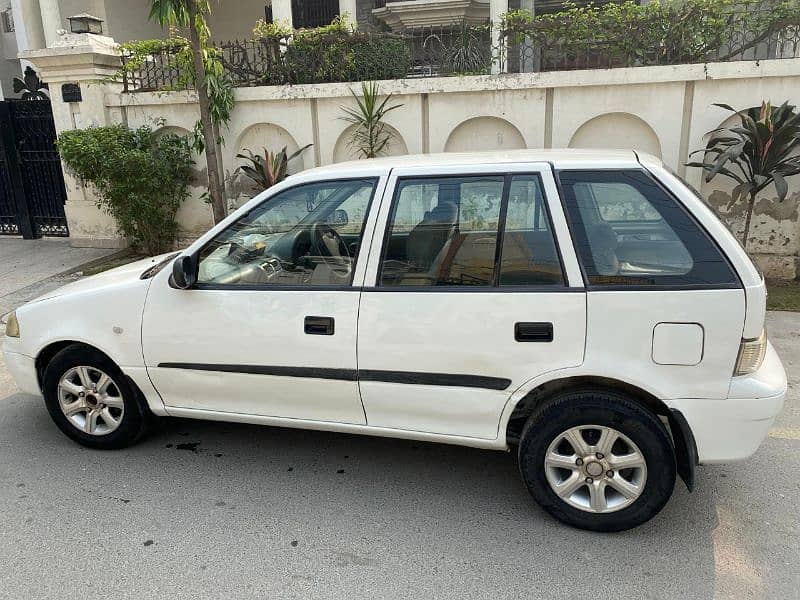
x=30, y=268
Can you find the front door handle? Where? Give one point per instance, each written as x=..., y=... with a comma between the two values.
x=533, y=332
x=319, y=325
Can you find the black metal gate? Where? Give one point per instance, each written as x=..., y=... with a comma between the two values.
x=32, y=192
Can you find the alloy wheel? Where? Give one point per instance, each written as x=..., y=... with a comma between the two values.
x=91, y=400
x=595, y=468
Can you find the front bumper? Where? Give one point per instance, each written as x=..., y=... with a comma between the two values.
x=732, y=429
x=23, y=370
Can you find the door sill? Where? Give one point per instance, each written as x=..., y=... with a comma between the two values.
x=214, y=415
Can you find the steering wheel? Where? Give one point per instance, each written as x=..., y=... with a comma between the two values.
x=328, y=244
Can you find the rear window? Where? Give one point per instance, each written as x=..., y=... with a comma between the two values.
x=630, y=232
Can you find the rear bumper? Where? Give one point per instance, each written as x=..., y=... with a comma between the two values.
x=732, y=429
x=23, y=370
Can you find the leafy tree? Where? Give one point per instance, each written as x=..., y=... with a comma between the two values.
x=214, y=94
x=763, y=150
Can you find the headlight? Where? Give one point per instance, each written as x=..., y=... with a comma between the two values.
x=751, y=355
x=12, y=325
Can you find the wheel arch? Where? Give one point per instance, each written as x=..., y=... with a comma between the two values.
x=47, y=354
x=680, y=432
x=49, y=351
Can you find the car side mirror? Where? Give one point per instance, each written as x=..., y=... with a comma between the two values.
x=338, y=217
x=184, y=271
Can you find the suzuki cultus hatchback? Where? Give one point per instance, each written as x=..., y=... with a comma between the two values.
x=583, y=308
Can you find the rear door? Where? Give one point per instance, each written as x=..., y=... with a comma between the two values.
x=468, y=294
x=665, y=307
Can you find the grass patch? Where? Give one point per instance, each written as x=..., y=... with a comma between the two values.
x=783, y=295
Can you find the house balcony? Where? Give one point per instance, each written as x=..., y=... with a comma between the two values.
x=402, y=15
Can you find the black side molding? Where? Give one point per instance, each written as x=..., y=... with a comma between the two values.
x=405, y=377
x=309, y=372
x=448, y=379
x=685, y=447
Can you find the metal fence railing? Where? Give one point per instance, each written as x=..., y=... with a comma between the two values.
x=740, y=38
x=457, y=49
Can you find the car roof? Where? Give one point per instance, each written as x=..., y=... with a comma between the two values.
x=560, y=158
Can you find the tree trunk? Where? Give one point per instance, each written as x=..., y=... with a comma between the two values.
x=748, y=217
x=220, y=166
x=215, y=188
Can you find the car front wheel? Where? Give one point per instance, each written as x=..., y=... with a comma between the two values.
x=597, y=460
x=91, y=400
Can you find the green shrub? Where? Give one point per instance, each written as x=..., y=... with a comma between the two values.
x=322, y=56
x=141, y=177
x=657, y=33
x=328, y=54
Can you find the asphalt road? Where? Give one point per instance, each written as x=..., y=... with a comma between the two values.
x=209, y=510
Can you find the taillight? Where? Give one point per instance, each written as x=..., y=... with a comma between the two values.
x=751, y=355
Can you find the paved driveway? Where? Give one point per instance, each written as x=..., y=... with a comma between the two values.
x=28, y=267
x=208, y=510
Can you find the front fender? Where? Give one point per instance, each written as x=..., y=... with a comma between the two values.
x=108, y=318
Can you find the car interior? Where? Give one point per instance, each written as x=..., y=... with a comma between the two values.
x=308, y=235
x=626, y=234
x=444, y=232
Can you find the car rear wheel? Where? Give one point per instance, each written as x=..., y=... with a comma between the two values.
x=91, y=400
x=597, y=460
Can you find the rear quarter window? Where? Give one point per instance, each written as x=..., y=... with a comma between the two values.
x=629, y=231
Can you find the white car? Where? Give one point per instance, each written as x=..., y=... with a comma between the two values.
x=584, y=308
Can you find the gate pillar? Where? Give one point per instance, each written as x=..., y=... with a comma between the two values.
x=85, y=60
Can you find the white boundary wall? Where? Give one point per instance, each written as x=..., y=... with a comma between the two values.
x=666, y=111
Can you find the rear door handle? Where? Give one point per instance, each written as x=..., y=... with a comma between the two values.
x=533, y=332
x=319, y=325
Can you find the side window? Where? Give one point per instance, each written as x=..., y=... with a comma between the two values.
x=629, y=231
x=444, y=232
x=306, y=235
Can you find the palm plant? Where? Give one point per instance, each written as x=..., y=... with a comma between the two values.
x=370, y=134
x=764, y=150
x=268, y=169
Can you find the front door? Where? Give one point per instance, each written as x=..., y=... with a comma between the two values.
x=469, y=298
x=270, y=327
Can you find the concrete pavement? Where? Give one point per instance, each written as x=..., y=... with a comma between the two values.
x=28, y=267
x=215, y=510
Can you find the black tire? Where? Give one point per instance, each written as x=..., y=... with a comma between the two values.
x=134, y=418
x=608, y=409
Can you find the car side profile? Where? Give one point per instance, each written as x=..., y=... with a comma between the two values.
x=585, y=309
